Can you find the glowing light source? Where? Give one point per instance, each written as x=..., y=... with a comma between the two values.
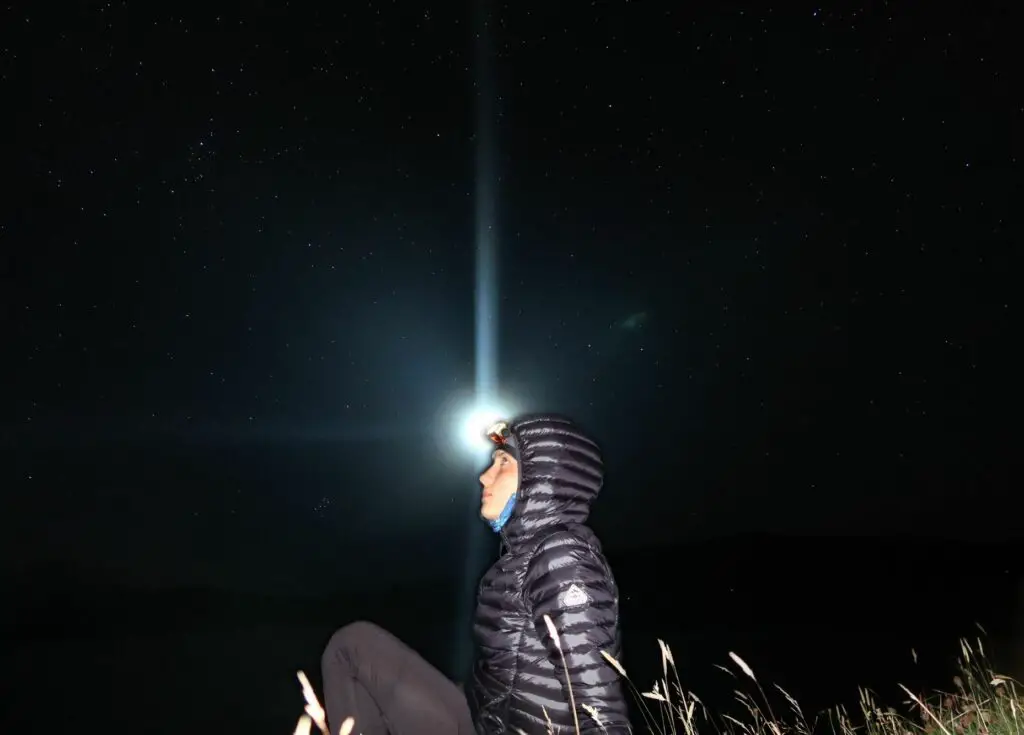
x=474, y=424
x=461, y=425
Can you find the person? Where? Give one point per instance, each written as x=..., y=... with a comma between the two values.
x=536, y=495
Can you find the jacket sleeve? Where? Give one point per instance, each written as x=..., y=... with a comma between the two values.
x=571, y=584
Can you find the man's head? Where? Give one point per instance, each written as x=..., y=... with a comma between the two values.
x=545, y=470
x=499, y=483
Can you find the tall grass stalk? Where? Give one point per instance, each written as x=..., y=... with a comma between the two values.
x=982, y=702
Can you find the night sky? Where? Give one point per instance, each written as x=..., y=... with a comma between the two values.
x=766, y=255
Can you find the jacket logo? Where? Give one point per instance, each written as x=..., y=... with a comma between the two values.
x=574, y=596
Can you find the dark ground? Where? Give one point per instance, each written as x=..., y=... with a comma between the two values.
x=818, y=617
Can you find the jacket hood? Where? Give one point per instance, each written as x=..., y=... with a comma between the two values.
x=561, y=471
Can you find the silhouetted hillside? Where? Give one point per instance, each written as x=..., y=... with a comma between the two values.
x=820, y=617
x=755, y=579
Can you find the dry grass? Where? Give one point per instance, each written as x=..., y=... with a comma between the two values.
x=982, y=703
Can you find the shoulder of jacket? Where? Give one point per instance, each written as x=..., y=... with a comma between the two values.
x=562, y=542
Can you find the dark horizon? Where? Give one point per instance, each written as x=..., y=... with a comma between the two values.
x=199, y=515
x=820, y=617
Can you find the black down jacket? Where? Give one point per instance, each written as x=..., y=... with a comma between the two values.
x=551, y=565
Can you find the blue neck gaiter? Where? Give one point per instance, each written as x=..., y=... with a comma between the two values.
x=506, y=513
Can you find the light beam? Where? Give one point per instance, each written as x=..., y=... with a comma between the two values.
x=486, y=303
x=486, y=285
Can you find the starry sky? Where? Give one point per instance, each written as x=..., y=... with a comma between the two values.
x=765, y=254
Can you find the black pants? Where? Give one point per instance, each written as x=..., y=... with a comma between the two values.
x=387, y=687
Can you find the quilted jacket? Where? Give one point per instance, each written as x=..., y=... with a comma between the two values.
x=551, y=565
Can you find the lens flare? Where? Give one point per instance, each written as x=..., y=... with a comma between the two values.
x=475, y=423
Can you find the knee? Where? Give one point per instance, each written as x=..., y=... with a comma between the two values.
x=346, y=642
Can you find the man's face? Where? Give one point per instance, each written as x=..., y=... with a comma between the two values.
x=499, y=482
